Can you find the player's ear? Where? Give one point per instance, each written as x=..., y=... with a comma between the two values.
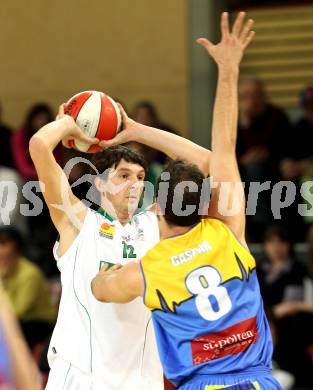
x=159, y=214
x=157, y=209
x=100, y=184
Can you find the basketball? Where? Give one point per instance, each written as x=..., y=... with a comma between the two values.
x=97, y=114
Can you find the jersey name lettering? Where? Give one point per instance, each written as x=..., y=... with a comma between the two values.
x=188, y=255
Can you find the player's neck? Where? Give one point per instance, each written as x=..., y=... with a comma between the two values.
x=124, y=219
x=122, y=215
x=172, y=231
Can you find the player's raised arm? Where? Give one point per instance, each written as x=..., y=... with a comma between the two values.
x=223, y=166
x=55, y=186
x=118, y=284
x=172, y=145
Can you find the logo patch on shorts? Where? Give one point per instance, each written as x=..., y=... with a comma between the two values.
x=229, y=341
x=106, y=231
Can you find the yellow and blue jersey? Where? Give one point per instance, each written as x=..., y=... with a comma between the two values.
x=206, y=305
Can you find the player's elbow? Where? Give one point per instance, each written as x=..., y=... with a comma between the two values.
x=36, y=146
x=98, y=290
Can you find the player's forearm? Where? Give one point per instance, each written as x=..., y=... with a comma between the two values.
x=101, y=287
x=49, y=136
x=108, y=288
x=225, y=114
x=43, y=143
x=172, y=145
x=305, y=307
x=25, y=299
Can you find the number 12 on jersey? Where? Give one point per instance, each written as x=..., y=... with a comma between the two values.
x=212, y=299
x=128, y=251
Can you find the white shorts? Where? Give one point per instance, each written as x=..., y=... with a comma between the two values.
x=63, y=376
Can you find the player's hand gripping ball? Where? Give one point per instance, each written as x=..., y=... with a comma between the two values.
x=97, y=114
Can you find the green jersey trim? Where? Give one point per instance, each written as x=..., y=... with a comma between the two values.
x=105, y=214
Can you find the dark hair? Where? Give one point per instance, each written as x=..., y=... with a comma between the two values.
x=9, y=234
x=147, y=106
x=111, y=157
x=40, y=108
x=306, y=97
x=277, y=231
x=179, y=171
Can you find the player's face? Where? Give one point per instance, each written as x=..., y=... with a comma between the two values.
x=125, y=185
x=143, y=116
x=277, y=249
x=251, y=98
x=40, y=120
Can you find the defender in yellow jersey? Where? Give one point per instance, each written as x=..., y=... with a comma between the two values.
x=207, y=310
x=200, y=281
x=212, y=244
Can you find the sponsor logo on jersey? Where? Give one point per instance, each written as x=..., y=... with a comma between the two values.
x=140, y=235
x=189, y=254
x=126, y=238
x=136, y=221
x=106, y=230
x=229, y=341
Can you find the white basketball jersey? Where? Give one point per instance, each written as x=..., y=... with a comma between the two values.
x=113, y=343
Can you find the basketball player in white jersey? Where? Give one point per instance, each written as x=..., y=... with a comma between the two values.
x=98, y=346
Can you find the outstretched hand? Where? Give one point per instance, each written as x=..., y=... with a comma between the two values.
x=229, y=51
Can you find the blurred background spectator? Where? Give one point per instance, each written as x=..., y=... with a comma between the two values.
x=38, y=115
x=284, y=378
x=26, y=287
x=283, y=281
x=298, y=164
x=6, y=158
x=261, y=128
x=11, y=197
x=281, y=275
x=39, y=228
x=310, y=253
